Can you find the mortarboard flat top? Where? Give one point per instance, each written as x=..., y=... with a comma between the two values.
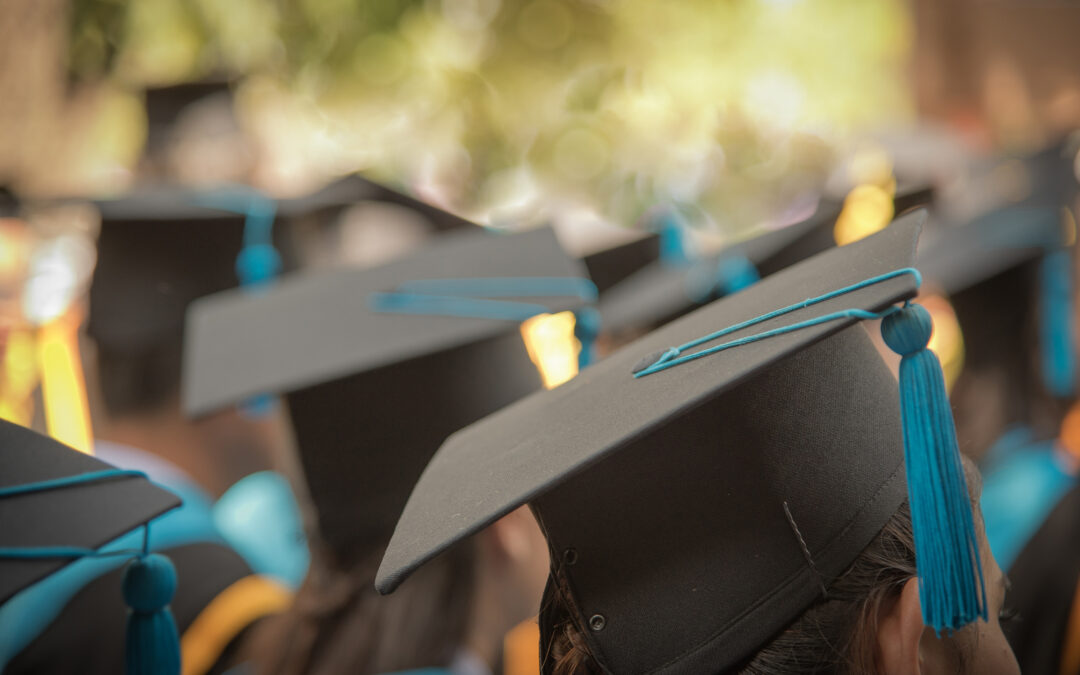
x=354, y=189
x=672, y=484
x=658, y=292
x=318, y=326
x=957, y=257
x=372, y=394
x=84, y=516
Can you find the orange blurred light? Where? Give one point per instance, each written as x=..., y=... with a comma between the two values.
x=521, y=649
x=946, y=340
x=1069, y=437
x=63, y=387
x=867, y=209
x=550, y=341
x=18, y=376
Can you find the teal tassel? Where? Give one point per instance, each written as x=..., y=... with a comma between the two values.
x=153, y=645
x=734, y=273
x=674, y=248
x=1056, y=323
x=586, y=330
x=951, y=584
x=257, y=264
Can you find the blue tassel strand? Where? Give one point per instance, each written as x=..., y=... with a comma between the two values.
x=257, y=264
x=734, y=273
x=951, y=584
x=586, y=329
x=153, y=647
x=1056, y=323
x=674, y=247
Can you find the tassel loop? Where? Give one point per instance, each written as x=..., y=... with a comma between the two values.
x=951, y=584
x=153, y=647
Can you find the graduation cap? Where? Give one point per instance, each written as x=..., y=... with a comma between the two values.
x=995, y=265
x=666, y=288
x=353, y=189
x=58, y=506
x=609, y=266
x=165, y=105
x=379, y=365
x=698, y=498
x=159, y=249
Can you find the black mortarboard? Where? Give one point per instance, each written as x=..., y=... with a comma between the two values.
x=371, y=393
x=84, y=515
x=1011, y=265
x=354, y=189
x=677, y=504
x=59, y=506
x=662, y=290
x=159, y=249
x=609, y=266
x=164, y=105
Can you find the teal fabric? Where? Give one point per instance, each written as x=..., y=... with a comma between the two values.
x=1023, y=480
x=31, y=610
x=259, y=517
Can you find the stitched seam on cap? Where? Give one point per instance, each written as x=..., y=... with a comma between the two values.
x=787, y=582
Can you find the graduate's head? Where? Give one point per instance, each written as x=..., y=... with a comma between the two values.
x=158, y=250
x=869, y=620
x=706, y=486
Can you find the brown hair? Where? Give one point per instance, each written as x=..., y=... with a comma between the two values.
x=837, y=635
x=338, y=623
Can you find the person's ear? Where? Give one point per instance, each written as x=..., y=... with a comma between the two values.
x=900, y=632
x=906, y=646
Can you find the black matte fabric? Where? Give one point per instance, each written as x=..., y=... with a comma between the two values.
x=87, y=515
x=371, y=395
x=691, y=515
x=88, y=634
x=314, y=327
x=750, y=428
x=957, y=257
x=159, y=250
x=1044, y=580
x=660, y=292
x=612, y=265
x=364, y=440
x=354, y=189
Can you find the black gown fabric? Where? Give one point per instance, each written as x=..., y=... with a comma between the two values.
x=1044, y=586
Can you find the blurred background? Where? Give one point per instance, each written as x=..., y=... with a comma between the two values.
x=581, y=113
x=742, y=116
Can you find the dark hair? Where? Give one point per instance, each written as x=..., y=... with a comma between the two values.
x=138, y=380
x=838, y=634
x=338, y=623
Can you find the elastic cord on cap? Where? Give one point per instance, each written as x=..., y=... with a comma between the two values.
x=473, y=297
